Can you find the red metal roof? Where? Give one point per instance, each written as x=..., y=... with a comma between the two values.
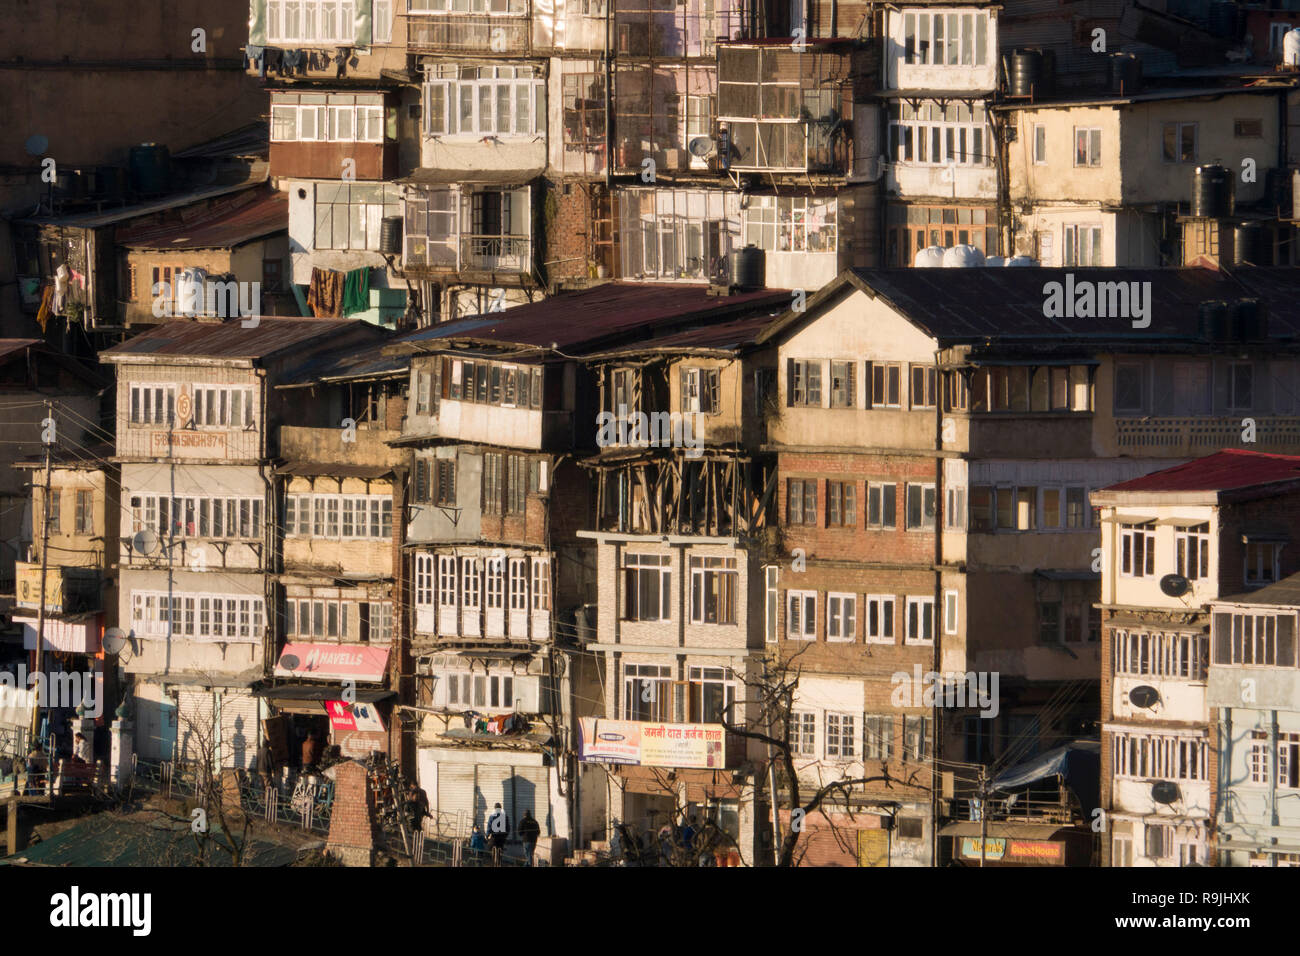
x=223, y=229
x=230, y=339
x=1226, y=470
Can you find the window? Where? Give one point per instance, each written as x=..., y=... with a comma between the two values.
x=920, y=507
x=801, y=615
x=446, y=581
x=931, y=133
x=916, y=735
x=954, y=516
x=157, y=614
x=223, y=407
x=1241, y=378
x=153, y=404
x=348, y=214
x=446, y=483
x=803, y=733
x=841, y=504
x=1130, y=392
x=646, y=579
x=881, y=505
x=1255, y=640
x=192, y=517
x=1137, y=550
x=541, y=584
x=982, y=508
x=771, y=600
x=678, y=234
x=424, y=580
x=1248, y=128
x=920, y=620
x=1087, y=146
x=924, y=386
x=493, y=481
x=84, y=520
x=1040, y=144
x=842, y=384
x=484, y=101
x=710, y=695
x=327, y=117
x=1159, y=756
x=1082, y=245
x=880, y=618
x=801, y=501
x=647, y=692
x=841, y=737
x=886, y=385
x=924, y=39
x=495, y=574
x=518, y=584
x=1193, y=551
x=381, y=29
x=1178, y=142
x=713, y=590
x=1077, y=513
x=806, y=383
x=700, y=391
x=951, y=600
x=1169, y=655
x=841, y=617
x=1261, y=562
x=54, y=514
x=516, y=484
x=471, y=584
x=310, y=22
x=878, y=742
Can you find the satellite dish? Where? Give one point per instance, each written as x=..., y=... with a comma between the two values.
x=1164, y=791
x=1144, y=696
x=145, y=542
x=1175, y=585
x=114, y=640
x=289, y=662
x=701, y=146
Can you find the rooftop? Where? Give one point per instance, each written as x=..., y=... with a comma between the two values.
x=224, y=228
x=588, y=320
x=1284, y=593
x=1229, y=470
x=226, y=340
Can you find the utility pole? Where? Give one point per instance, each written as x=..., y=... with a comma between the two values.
x=771, y=782
x=47, y=436
x=984, y=811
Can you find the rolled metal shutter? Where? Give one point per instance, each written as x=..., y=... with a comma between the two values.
x=495, y=786
x=455, y=799
x=532, y=786
x=196, y=732
x=239, y=730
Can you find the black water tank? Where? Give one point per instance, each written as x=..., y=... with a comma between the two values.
x=1248, y=320
x=1123, y=74
x=1211, y=192
x=150, y=165
x=1251, y=245
x=1026, y=73
x=390, y=235
x=748, y=268
x=1223, y=19
x=1212, y=321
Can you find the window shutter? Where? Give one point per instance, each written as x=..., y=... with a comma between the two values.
x=789, y=382
x=868, y=384
x=685, y=405
x=714, y=403
x=445, y=383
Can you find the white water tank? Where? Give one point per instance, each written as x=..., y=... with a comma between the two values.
x=931, y=257
x=1021, y=261
x=962, y=257
x=1291, y=48
x=994, y=262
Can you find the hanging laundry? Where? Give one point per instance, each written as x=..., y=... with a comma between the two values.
x=325, y=294
x=43, y=313
x=356, y=291
x=256, y=54
x=60, y=289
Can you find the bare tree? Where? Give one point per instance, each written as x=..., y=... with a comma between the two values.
x=772, y=700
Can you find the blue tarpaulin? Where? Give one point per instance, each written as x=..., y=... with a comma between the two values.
x=1078, y=763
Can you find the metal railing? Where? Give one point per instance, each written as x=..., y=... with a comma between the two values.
x=495, y=252
x=1198, y=435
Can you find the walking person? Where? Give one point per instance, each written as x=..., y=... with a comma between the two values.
x=529, y=832
x=477, y=845
x=498, y=825
x=417, y=806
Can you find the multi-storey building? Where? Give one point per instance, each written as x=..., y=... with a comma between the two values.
x=197, y=419
x=1256, y=731
x=682, y=523
x=1173, y=542
x=337, y=663
x=935, y=473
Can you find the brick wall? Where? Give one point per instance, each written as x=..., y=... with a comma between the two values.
x=351, y=835
x=568, y=244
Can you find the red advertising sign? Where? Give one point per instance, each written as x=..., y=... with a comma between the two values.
x=333, y=662
x=1036, y=851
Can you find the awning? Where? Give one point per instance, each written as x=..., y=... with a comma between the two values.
x=1077, y=763
x=1052, y=574
x=333, y=662
x=69, y=637
x=1005, y=830
x=475, y=177
x=312, y=469
x=306, y=692
x=203, y=679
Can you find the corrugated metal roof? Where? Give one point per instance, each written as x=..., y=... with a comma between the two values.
x=97, y=219
x=311, y=469
x=354, y=364
x=9, y=346
x=590, y=319
x=1229, y=470
x=223, y=229
x=723, y=337
x=1149, y=96
x=973, y=305
x=485, y=177
x=227, y=339
x=1284, y=593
